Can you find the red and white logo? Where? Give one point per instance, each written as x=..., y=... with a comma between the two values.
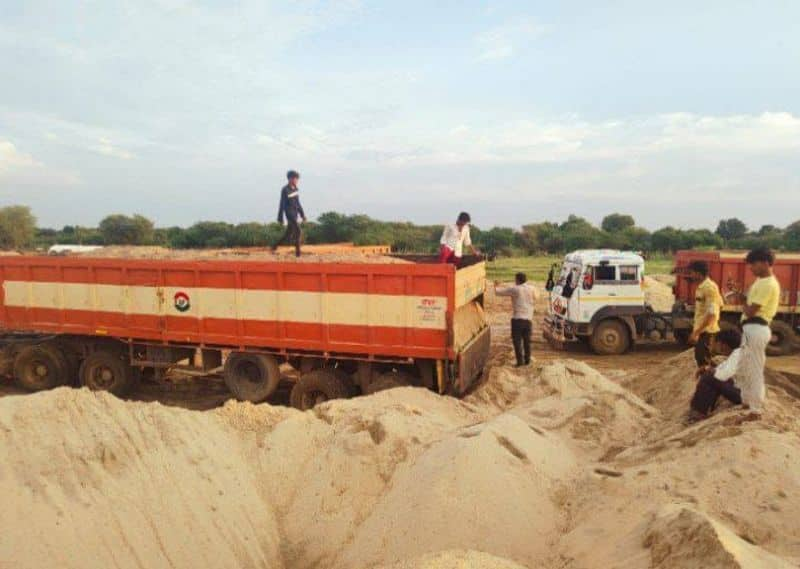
x=182, y=303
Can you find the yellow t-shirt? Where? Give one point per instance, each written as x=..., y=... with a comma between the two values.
x=707, y=300
x=766, y=292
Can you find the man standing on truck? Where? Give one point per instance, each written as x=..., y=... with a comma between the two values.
x=454, y=237
x=290, y=206
x=760, y=308
x=707, y=307
x=522, y=301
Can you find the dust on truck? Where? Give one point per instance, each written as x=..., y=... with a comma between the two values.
x=347, y=328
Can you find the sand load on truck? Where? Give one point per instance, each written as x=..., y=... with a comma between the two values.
x=341, y=253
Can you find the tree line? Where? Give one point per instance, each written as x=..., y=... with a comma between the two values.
x=18, y=230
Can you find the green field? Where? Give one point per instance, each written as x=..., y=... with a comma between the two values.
x=536, y=268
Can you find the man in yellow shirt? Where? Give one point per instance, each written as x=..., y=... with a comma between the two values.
x=760, y=308
x=707, y=307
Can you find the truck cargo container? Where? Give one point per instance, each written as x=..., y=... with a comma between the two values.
x=346, y=327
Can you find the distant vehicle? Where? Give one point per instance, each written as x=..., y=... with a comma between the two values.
x=347, y=328
x=66, y=249
x=598, y=299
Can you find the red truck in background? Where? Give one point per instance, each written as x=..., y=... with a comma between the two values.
x=346, y=327
x=729, y=270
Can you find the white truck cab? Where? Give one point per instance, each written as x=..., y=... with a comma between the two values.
x=598, y=298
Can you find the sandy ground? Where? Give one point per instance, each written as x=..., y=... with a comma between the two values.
x=575, y=462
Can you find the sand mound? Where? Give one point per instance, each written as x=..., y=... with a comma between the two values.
x=88, y=480
x=456, y=560
x=658, y=294
x=683, y=538
x=552, y=467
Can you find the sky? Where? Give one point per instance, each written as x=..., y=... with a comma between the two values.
x=679, y=113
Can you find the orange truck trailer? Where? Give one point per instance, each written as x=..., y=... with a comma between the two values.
x=347, y=328
x=731, y=273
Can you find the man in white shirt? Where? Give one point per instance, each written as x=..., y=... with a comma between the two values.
x=454, y=237
x=721, y=380
x=522, y=301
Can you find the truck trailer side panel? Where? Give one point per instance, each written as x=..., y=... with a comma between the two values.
x=403, y=310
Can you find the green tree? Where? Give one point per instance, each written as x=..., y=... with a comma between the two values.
x=730, y=229
x=617, y=222
x=17, y=227
x=792, y=235
x=118, y=229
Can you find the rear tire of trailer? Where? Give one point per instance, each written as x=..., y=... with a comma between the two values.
x=389, y=380
x=251, y=377
x=41, y=367
x=319, y=386
x=784, y=340
x=107, y=371
x=611, y=338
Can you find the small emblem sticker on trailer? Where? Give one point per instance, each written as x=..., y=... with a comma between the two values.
x=182, y=303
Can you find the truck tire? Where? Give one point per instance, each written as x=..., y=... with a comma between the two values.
x=107, y=371
x=251, y=377
x=389, y=380
x=319, y=386
x=784, y=339
x=41, y=367
x=610, y=338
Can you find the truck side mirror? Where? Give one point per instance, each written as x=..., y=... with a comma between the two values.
x=588, y=281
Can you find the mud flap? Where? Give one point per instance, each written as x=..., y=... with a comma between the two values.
x=472, y=360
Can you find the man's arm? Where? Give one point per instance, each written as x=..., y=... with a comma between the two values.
x=300, y=209
x=751, y=310
x=501, y=290
x=282, y=206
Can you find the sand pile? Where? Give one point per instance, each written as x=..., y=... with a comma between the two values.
x=683, y=538
x=243, y=254
x=357, y=483
x=555, y=467
x=658, y=294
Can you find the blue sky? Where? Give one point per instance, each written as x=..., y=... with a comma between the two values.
x=675, y=112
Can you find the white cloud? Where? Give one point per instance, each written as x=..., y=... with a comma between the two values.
x=105, y=147
x=13, y=159
x=19, y=168
x=501, y=42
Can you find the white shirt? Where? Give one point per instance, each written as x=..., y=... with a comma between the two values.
x=522, y=299
x=727, y=369
x=454, y=239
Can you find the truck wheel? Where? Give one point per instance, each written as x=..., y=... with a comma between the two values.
x=610, y=338
x=783, y=340
x=107, y=371
x=41, y=367
x=389, y=380
x=319, y=386
x=251, y=377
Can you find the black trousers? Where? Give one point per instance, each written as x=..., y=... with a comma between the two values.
x=521, y=337
x=709, y=389
x=292, y=236
x=702, y=349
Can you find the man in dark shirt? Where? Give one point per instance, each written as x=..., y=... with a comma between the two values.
x=290, y=206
